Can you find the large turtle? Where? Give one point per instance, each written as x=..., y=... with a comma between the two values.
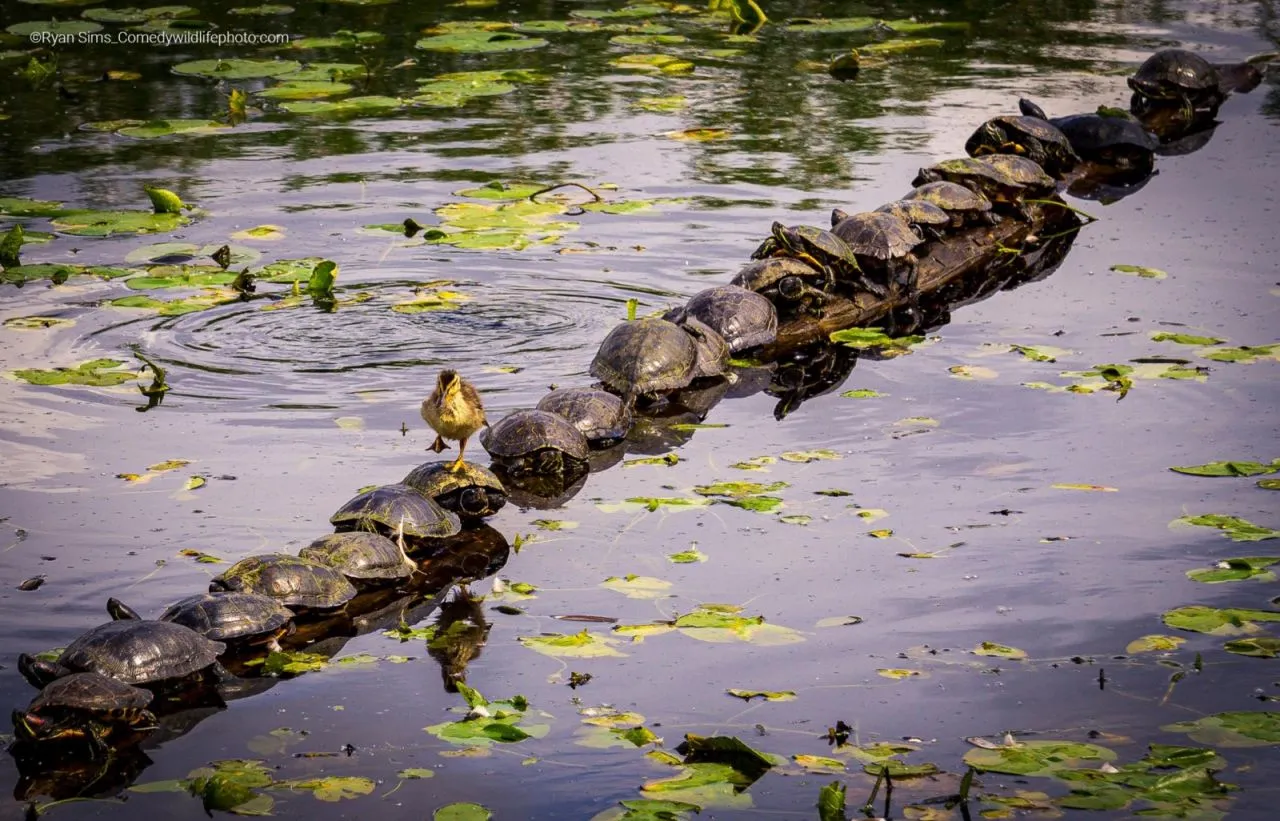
x=821, y=249
x=744, y=318
x=88, y=706
x=1110, y=136
x=1002, y=178
x=927, y=218
x=537, y=442
x=243, y=618
x=396, y=511
x=964, y=205
x=1032, y=137
x=713, y=351
x=883, y=244
x=784, y=281
x=645, y=356
x=367, y=559
x=1174, y=76
x=471, y=491
x=292, y=581
x=602, y=417
x=134, y=652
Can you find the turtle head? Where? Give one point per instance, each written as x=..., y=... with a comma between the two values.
x=119, y=611
x=27, y=726
x=991, y=138
x=927, y=175
x=838, y=216
x=1030, y=109
x=473, y=501
x=38, y=672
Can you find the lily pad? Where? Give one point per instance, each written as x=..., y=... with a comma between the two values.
x=462, y=811
x=36, y=323
x=55, y=28
x=720, y=623
x=1232, y=729
x=1237, y=529
x=1236, y=569
x=22, y=207
x=1140, y=271
x=305, y=90
x=662, y=105
x=479, y=42
x=862, y=393
x=334, y=787
x=58, y=273
x=237, y=68
x=1037, y=758
x=767, y=695
x=804, y=456
x=664, y=63
x=1227, y=621
x=1265, y=647
x=96, y=373
x=107, y=223
x=351, y=105
x=690, y=556
x=990, y=648
x=577, y=645
x=343, y=38
x=1243, y=355
x=1155, y=644
x=152, y=129
x=209, y=298
x=637, y=587
x=1229, y=469
x=264, y=10
x=1185, y=339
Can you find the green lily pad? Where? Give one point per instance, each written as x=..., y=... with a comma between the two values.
x=36, y=323
x=209, y=298
x=462, y=811
x=1037, y=758
x=690, y=556
x=304, y=90
x=899, y=770
x=289, y=270
x=334, y=787
x=819, y=764
x=990, y=648
x=343, y=38
x=1229, y=468
x=577, y=645
x=58, y=273
x=862, y=393
x=756, y=504
x=1243, y=355
x=1236, y=569
x=648, y=39
x=737, y=490
x=626, y=12
x=55, y=28
x=1140, y=271
x=637, y=587
x=662, y=105
x=96, y=373
x=237, y=68
x=498, y=190
x=862, y=338
x=767, y=695
x=152, y=129
x=1237, y=529
x=181, y=276
x=1155, y=644
x=479, y=42
x=1039, y=353
x=107, y=223
x=719, y=623
x=1268, y=484
x=804, y=456
x=264, y=10
x=178, y=253
x=21, y=207
x=900, y=45
x=1185, y=339
x=653, y=503
x=324, y=72
x=1264, y=647
x=664, y=63
x=1227, y=621
x=1232, y=729
x=351, y=105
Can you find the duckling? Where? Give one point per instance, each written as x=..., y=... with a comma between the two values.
x=454, y=411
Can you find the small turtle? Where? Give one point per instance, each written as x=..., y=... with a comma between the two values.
x=1032, y=137
x=292, y=581
x=1174, y=76
x=88, y=706
x=1111, y=137
x=744, y=318
x=645, y=356
x=601, y=416
x=1002, y=178
x=821, y=249
x=367, y=559
x=924, y=216
x=134, y=652
x=472, y=492
x=966, y=207
x=883, y=244
x=537, y=442
x=713, y=351
x=786, y=281
x=246, y=618
x=394, y=511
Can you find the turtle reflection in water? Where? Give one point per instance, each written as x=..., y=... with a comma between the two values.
x=461, y=633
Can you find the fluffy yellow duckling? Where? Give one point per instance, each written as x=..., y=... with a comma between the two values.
x=454, y=411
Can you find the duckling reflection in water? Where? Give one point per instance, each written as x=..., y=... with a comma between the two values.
x=454, y=411
x=461, y=632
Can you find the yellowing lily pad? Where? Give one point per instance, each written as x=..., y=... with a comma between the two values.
x=637, y=587
x=803, y=456
x=990, y=648
x=1076, y=486
x=972, y=372
x=577, y=645
x=664, y=63
x=1155, y=644
x=1038, y=758
x=1140, y=271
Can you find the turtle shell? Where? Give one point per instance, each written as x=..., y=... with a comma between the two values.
x=823, y=245
x=744, y=318
x=917, y=212
x=83, y=705
x=765, y=273
x=1034, y=137
x=526, y=432
x=966, y=169
x=877, y=234
x=1021, y=170
x=395, y=509
x=601, y=416
x=91, y=692
x=1094, y=134
x=140, y=652
x=645, y=356
x=360, y=556
x=229, y=616
x=713, y=351
x=287, y=579
x=471, y=491
x=950, y=196
x=1172, y=72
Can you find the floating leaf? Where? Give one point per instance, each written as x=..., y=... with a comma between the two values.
x=462, y=811
x=577, y=645
x=767, y=695
x=96, y=373
x=990, y=648
x=862, y=338
x=1199, y=618
x=972, y=372
x=699, y=135
x=1268, y=484
x=554, y=524
x=1039, y=353
x=209, y=298
x=637, y=587
x=819, y=764
x=305, y=90
x=1237, y=529
x=862, y=393
x=66, y=30
x=898, y=673
x=690, y=556
x=237, y=68
x=1244, y=355
x=886, y=533
x=803, y=456
x=662, y=105
x=1185, y=339
x=1236, y=569
x=1229, y=469
x=722, y=623
x=839, y=621
x=664, y=63
x=872, y=514
x=1139, y=270
x=795, y=519
x=1155, y=644
x=36, y=323
x=478, y=42
x=1074, y=486
x=415, y=773
x=1264, y=647
x=755, y=463
x=652, y=503
x=107, y=223
x=334, y=787
x=1233, y=729
x=352, y=105
x=58, y=273
x=1037, y=758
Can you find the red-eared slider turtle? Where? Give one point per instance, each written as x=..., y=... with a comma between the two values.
x=395, y=510
x=927, y=218
x=644, y=356
x=245, y=618
x=367, y=559
x=473, y=492
x=135, y=652
x=966, y=206
x=601, y=416
x=537, y=442
x=786, y=281
x=288, y=579
x=1174, y=76
x=822, y=250
x=1110, y=137
x=713, y=351
x=882, y=243
x=743, y=317
x=1032, y=137
x=1001, y=178
x=88, y=706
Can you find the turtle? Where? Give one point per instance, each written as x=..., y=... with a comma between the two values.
x=601, y=416
x=1002, y=178
x=821, y=249
x=292, y=581
x=744, y=318
x=396, y=511
x=88, y=706
x=1174, y=76
x=366, y=559
x=134, y=652
x=1032, y=137
x=788, y=281
x=927, y=218
x=471, y=491
x=246, y=618
x=537, y=442
x=644, y=356
x=883, y=244
x=964, y=205
x=713, y=351
x=1110, y=136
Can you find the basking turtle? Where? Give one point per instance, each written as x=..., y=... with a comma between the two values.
x=644, y=356
x=537, y=442
x=1002, y=178
x=394, y=511
x=246, y=618
x=134, y=652
x=88, y=706
x=788, y=281
x=883, y=245
x=288, y=579
x=1032, y=137
x=1174, y=76
x=713, y=351
x=601, y=416
x=965, y=206
x=367, y=559
x=924, y=216
x=1110, y=137
x=821, y=249
x=744, y=318
x=472, y=492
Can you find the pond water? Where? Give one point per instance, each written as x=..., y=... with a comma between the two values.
x=956, y=524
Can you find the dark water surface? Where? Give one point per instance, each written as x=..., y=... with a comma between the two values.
x=287, y=413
